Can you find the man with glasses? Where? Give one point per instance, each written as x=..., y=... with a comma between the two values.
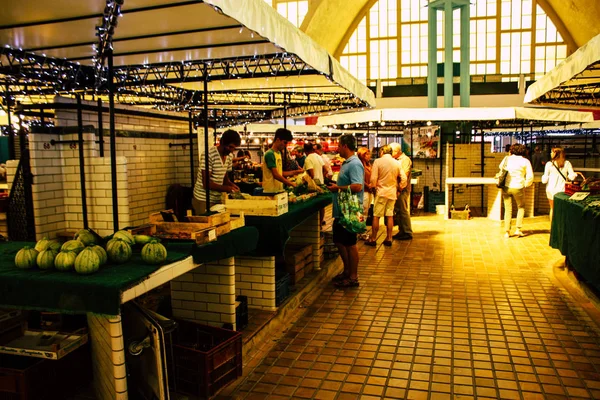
x=219, y=163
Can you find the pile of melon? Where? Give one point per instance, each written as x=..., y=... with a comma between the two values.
x=85, y=255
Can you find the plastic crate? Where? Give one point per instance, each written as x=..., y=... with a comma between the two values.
x=282, y=287
x=205, y=358
x=241, y=313
x=434, y=199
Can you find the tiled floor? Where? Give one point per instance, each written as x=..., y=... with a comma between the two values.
x=459, y=312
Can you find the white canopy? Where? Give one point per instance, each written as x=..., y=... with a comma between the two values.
x=574, y=82
x=456, y=114
x=157, y=43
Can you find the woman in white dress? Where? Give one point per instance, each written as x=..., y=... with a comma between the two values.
x=556, y=173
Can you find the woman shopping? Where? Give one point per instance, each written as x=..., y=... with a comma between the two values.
x=520, y=176
x=364, y=155
x=556, y=174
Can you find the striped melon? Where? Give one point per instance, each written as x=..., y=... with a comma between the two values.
x=87, y=262
x=154, y=252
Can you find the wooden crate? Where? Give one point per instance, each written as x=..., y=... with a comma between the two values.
x=298, y=261
x=215, y=219
x=202, y=228
x=237, y=222
x=269, y=206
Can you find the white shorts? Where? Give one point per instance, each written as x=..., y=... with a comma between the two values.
x=383, y=207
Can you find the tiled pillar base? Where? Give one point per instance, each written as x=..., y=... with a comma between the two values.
x=309, y=232
x=255, y=278
x=206, y=294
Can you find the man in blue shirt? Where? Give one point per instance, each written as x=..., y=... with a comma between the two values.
x=351, y=176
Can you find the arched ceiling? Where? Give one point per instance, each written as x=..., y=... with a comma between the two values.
x=329, y=21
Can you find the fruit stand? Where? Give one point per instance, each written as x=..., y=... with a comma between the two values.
x=100, y=295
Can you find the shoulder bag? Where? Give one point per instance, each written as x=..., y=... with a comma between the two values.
x=501, y=176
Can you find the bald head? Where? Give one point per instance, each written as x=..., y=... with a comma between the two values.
x=396, y=149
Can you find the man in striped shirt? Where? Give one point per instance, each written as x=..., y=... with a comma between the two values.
x=219, y=163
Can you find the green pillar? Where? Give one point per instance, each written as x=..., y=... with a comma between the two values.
x=465, y=49
x=448, y=62
x=432, y=60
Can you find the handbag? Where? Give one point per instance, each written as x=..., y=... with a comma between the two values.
x=501, y=176
x=352, y=218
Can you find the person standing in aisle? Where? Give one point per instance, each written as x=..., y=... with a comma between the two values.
x=351, y=176
x=313, y=164
x=219, y=163
x=272, y=168
x=364, y=155
x=402, y=206
x=520, y=176
x=326, y=162
x=384, y=177
x=556, y=173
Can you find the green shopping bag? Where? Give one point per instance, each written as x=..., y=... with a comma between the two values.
x=352, y=218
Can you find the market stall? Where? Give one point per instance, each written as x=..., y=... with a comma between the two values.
x=459, y=167
x=575, y=232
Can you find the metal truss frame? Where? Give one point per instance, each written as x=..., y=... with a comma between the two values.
x=586, y=94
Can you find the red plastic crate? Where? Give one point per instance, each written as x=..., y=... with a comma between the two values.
x=205, y=358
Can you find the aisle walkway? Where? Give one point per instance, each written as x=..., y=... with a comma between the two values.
x=459, y=312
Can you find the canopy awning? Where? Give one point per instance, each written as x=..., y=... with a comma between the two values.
x=249, y=55
x=420, y=116
x=575, y=82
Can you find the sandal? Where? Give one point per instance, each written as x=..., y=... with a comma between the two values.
x=372, y=243
x=387, y=243
x=339, y=277
x=347, y=283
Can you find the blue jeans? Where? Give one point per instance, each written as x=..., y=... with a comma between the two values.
x=507, y=195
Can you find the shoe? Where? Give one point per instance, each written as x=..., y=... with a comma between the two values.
x=402, y=236
x=371, y=243
x=506, y=235
x=339, y=277
x=347, y=283
x=519, y=233
x=387, y=243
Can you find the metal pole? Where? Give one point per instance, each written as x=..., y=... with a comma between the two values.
x=100, y=129
x=113, y=140
x=465, y=56
x=585, y=148
x=482, y=157
x=207, y=186
x=432, y=85
x=11, y=133
x=191, y=128
x=448, y=58
x=285, y=114
x=81, y=162
x=453, y=161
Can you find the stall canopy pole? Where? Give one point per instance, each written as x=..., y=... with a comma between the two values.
x=100, y=129
x=207, y=181
x=191, y=127
x=81, y=162
x=285, y=113
x=453, y=161
x=113, y=139
x=11, y=134
x=482, y=157
x=585, y=148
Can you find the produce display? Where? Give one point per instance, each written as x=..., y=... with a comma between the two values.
x=305, y=189
x=85, y=254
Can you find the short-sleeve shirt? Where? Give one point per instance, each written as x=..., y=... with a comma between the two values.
x=315, y=162
x=352, y=172
x=272, y=159
x=218, y=168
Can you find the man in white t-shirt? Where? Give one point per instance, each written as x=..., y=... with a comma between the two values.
x=328, y=172
x=313, y=164
x=219, y=163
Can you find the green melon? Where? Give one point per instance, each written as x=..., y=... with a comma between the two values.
x=118, y=251
x=154, y=252
x=124, y=236
x=45, y=259
x=142, y=239
x=101, y=253
x=55, y=245
x=26, y=257
x=86, y=237
x=65, y=260
x=42, y=244
x=73, y=245
x=87, y=262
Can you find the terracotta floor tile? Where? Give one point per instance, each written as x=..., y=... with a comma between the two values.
x=454, y=313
